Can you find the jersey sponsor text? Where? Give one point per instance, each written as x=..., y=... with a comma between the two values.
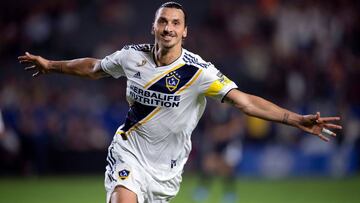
x=153, y=98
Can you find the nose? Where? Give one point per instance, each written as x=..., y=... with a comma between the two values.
x=168, y=28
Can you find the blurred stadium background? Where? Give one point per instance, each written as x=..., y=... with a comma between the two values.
x=303, y=55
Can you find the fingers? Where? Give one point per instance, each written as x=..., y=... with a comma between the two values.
x=24, y=61
x=36, y=74
x=332, y=126
x=30, y=67
x=323, y=138
x=322, y=123
x=325, y=131
x=310, y=118
x=27, y=57
x=23, y=57
x=326, y=119
x=30, y=55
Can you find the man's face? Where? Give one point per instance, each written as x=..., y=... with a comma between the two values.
x=169, y=27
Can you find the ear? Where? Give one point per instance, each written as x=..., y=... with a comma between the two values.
x=184, y=33
x=152, y=29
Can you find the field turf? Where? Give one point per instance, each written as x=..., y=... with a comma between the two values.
x=89, y=189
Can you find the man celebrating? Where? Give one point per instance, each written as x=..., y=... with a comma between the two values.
x=166, y=90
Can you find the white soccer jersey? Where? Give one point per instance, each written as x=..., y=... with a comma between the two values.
x=166, y=104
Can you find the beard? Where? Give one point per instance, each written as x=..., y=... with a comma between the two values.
x=168, y=44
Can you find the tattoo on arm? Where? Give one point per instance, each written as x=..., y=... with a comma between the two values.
x=285, y=118
x=61, y=68
x=56, y=67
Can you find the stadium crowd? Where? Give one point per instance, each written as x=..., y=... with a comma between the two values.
x=303, y=55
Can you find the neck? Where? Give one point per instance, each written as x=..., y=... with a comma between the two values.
x=165, y=56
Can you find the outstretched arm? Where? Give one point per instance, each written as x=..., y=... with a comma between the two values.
x=261, y=108
x=84, y=67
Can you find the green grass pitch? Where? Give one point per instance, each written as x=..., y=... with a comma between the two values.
x=89, y=189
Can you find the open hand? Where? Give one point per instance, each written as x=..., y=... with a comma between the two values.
x=319, y=126
x=35, y=63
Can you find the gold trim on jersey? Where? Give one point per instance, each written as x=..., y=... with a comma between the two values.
x=143, y=121
x=162, y=75
x=189, y=83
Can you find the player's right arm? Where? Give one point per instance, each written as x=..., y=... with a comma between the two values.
x=84, y=67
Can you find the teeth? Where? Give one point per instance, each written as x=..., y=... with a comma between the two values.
x=167, y=37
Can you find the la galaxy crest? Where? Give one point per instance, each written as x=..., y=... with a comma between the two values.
x=124, y=174
x=172, y=81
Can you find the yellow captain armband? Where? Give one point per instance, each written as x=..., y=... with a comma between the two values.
x=217, y=86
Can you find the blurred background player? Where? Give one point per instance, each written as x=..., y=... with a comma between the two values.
x=9, y=149
x=221, y=152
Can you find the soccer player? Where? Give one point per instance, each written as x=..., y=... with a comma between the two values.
x=166, y=90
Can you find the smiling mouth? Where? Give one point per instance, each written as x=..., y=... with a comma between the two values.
x=167, y=37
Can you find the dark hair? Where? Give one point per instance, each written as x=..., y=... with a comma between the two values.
x=172, y=4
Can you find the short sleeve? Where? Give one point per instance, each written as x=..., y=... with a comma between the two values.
x=215, y=84
x=112, y=64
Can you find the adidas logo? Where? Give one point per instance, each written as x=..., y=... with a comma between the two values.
x=137, y=75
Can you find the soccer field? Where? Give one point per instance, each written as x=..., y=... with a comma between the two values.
x=89, y=189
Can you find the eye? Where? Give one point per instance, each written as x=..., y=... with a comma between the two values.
x=162, y=21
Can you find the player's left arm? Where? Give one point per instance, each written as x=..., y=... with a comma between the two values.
x=261, y=108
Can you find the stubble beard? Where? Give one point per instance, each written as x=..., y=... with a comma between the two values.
x=166, y=45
